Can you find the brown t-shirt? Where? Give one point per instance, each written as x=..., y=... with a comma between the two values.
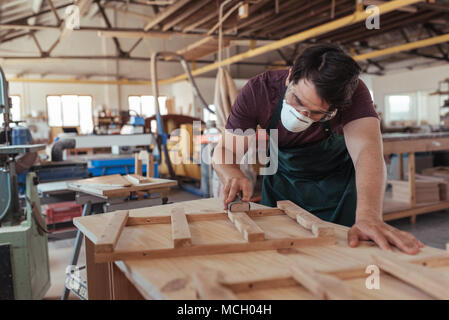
x=258, y=100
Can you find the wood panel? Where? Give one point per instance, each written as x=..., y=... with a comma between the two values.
x=250, y=274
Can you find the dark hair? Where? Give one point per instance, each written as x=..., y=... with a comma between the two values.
x=334, y=73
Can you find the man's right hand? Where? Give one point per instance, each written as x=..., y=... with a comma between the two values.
x=233, y=185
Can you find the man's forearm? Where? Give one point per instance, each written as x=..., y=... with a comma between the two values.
x=370, y=182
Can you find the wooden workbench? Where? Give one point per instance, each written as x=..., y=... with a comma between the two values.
x=132, y=270
x=410, y=143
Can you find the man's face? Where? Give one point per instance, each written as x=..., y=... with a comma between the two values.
x=304, y=98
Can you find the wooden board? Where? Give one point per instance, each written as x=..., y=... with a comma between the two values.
x=112, y=231
x=434, y=283
x=114, y=180
x=305, y=219
x=426, y=190
x=180, y=229
x=247, y=227
x=111, y=191
x=138, y=179
x=262, y=274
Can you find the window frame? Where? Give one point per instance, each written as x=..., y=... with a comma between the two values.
x=413, y=111
x=70, y=94
x=140, y=96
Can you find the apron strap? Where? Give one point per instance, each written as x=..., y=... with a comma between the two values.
x=327, y=128
x=276, y=116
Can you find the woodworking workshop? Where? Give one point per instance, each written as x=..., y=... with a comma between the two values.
x=224, y=150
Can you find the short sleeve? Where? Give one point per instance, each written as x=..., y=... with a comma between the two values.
x=243, y=113
x=362, y=105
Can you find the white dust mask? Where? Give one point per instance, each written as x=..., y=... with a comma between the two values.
x=293, y=120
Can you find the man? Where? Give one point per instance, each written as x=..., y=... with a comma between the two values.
x=330, y=159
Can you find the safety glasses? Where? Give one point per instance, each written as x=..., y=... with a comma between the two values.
x=316, y=115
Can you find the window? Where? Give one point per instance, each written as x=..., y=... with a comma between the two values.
x=15, y=109
x=70, y=111
x=401, y=108
x=208, y=115
x=145, y=106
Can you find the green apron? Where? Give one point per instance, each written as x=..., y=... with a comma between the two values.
x=319, y=177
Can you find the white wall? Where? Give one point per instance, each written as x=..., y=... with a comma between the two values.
x=407, y=81
x=33, y=95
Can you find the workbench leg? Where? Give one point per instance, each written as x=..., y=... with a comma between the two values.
x=99, y=282
x=164, y=195
x=411, y=182
x=401, y=166
x=76, y=250
x=122, y=288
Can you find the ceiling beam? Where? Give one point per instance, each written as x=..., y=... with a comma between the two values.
x=299, y=37
x=191, y=10
x=404, y=47
x=25, y=19
x=55, y=12
x=109, y=25
x=165, y=14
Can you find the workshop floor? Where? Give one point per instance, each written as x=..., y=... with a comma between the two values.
x=431, y=229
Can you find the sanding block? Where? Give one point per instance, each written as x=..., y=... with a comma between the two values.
x=238, y=205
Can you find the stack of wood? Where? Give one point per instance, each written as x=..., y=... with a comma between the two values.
x=426, y=190
x=440, y=174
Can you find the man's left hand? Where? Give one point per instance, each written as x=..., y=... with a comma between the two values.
x=383, y=235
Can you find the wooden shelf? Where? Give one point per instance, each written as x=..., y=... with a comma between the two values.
x=397, y=209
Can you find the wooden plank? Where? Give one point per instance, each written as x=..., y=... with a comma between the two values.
x=305, y=218
x=108, y=239
x=323, y=286
x=426, y=190
x=339, y=274
x=192, y=217
x=150, y=166
x=99, y=286
x=180, y=229
x=122, y=288
x=411, y=179
x=138, y=179
x=114, y=180
x=213, y=249
x=247, y=227
x=419, y=209
x=116, y=192
x=416, y=145
x=137, y=164
x=430, y=281
x=208, y=286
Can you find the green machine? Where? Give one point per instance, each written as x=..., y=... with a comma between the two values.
x=24, y=262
